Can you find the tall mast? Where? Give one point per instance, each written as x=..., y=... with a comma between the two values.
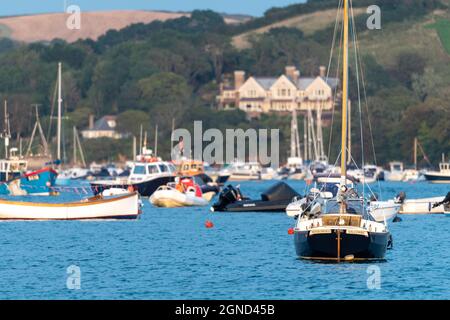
x=156, y=141
x=344, y=99
x=415, y=153
x=59, y=112
x=6, y=132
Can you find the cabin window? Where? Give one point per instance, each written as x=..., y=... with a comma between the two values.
x=139, y=170
x=152, y=169
x=163, y=168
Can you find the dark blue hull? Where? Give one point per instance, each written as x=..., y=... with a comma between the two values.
x=325, y=246
x=145, y=189
x=437, y=178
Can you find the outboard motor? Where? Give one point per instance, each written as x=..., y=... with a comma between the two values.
x=227, y=196
x=445, y=201
x=400, y=198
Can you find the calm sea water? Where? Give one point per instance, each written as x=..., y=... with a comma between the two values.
x=169, y=254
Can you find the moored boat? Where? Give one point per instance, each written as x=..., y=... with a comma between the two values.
x=122, y=207
x=181, y=194
x=420, y=206
x=441, y=176
x=275, y=199
x=341, y=229
x=384, y=211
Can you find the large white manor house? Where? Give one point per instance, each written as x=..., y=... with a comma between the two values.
x=256, y=95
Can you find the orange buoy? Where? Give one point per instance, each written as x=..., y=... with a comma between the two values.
x=290, y=231
x=209, y=224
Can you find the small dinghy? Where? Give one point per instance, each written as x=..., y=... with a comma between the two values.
x=184, y=193
x=420, y=206
x=122, y=207
x=275, y=199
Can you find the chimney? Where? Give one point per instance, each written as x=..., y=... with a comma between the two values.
x=296, y=76
x=323, y=71
x=91, y=121
x=290, y=72
x=239, y=79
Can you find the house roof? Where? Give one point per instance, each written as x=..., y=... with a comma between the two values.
x=302, y=83
x=266, y=82
x=102, y=124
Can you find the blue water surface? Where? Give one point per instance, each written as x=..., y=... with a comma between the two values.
x=169, y=254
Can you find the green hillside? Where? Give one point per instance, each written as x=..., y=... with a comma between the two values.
x=152, y=73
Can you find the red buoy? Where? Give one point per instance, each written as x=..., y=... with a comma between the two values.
x=209, y=224
x=290, y=231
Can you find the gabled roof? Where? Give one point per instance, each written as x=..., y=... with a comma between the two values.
x=266, y=82
x=103, y=125
x=302, y=83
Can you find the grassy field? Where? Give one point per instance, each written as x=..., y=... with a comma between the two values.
x=442, y=26
x=308, y=23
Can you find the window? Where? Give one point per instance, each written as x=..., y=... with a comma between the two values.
x=163, y=168
x=152, y=169
x=139, y=170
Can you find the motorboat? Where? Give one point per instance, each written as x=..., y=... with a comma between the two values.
x=445, y=203
x=145, y=178
x=275, y=199
x=185, y=193
x=376, y=171
x=441, y=176
x=270, y=173
x=420, y=206
x=362, y=175
x=75, y=173
x=98, y=207
x=396, y=172
x=411, y=175
x=242, y=171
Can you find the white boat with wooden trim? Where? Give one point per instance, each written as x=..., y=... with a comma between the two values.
x=98, y=207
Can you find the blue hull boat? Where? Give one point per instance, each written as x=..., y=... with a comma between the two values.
x=40, y=182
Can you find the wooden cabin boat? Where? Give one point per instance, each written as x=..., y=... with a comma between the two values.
x=122, y=207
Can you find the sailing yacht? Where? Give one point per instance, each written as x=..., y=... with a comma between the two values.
x=342, y=228
x=295, y=162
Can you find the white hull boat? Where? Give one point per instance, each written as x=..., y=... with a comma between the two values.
x=123, y=207
x=383, y=211
x=168, y=197
x=420, y=206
